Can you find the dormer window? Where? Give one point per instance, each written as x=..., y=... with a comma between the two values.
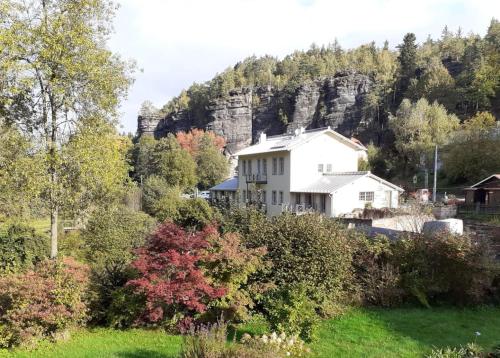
x=328, y=168
x=320, y=168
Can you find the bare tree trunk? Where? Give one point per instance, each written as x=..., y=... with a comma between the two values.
x=54, y=205
x=53, y=231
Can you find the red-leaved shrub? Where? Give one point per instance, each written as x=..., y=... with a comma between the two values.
x=170, y=277
x=42, y=302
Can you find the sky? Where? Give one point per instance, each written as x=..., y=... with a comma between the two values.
x=176, y=43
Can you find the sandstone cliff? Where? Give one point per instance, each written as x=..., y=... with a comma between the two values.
x=336, y=101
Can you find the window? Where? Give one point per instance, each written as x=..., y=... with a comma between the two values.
x=264, y=196
x=275, y=166
x=366, y=195
x=281, y=197
x=320, y=168
x=249, y=195
x=329, y=168
x=244, y=165
x=282, y=166
x=264, y=166
x=274, y=197
x=258, y=166
x=244, y=195
x=249, y=167
x=323, y=203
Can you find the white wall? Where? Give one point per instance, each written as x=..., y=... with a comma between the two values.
x=346, y=199
x=325, y=149
x=274, y=182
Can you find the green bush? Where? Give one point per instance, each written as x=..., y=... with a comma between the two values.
x=309, y=250
x=110, y=238
x=21, y=248
x=195, y=213
x=159, y=199
x=230, y=265
x=289, y=309
x=377, y=279
x=445, y=268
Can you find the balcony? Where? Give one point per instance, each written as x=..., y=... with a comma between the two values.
x=256, y=178
x=299, y=209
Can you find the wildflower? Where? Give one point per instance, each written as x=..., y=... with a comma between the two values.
x=478, y=334
x=283, y=336
x=287, y=354
x=264, y=338
x=290, y=342
x=274, y=336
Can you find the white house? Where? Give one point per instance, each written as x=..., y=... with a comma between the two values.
x=310, y=170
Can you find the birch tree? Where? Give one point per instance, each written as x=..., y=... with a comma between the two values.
x=57, y=72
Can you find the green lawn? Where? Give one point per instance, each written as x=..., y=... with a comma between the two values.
x=361, y=333
x=41, y=226
x=135, y=343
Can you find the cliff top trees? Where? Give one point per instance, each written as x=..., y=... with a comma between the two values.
x=60, y=72
x=407, y=60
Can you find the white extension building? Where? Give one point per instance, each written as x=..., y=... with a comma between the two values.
x=310, y=170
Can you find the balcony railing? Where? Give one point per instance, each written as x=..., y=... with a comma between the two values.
x=256, y=178
x=299, y=209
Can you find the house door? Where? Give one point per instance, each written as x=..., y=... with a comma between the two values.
x=388, y=198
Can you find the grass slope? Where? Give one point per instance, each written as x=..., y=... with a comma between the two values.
x=405, y=332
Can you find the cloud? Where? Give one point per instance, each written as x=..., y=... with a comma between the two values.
x=180, y=42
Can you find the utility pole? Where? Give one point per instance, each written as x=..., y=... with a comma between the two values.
x=435, y=174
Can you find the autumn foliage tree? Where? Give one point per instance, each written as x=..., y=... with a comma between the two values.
x=171, y=279
x=206, y=149
x=191, y=140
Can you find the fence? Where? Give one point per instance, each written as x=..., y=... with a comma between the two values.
x=478, y=209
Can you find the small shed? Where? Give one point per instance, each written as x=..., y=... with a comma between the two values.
x=485, y=192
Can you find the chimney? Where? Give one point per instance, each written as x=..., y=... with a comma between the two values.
x=263, y=137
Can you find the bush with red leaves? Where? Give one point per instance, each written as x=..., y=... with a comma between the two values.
x=43, y=302
x=170, y=275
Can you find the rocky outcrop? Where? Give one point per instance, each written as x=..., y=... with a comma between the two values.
x=336, y=101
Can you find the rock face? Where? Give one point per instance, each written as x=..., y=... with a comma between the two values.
x=336, y=101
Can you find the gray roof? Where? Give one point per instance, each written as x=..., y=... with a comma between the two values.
x=228, y=185
x=329, y=183
x=288, y=141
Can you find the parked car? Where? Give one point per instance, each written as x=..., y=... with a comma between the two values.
x=204, y=194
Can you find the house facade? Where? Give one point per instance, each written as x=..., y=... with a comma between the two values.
x=314, y=170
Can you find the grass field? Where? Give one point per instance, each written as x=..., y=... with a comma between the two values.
x=41, y=226
x=360, y=333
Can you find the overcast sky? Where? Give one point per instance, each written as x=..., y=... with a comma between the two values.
x=179, y=42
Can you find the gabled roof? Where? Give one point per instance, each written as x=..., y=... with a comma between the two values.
x=228, y=185
x=330, y=183
x=496, y=176
x=287, y=142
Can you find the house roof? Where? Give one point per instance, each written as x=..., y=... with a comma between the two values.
x=496, y=176
x=228, y=185
x=287, y=142
x=329, y=183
